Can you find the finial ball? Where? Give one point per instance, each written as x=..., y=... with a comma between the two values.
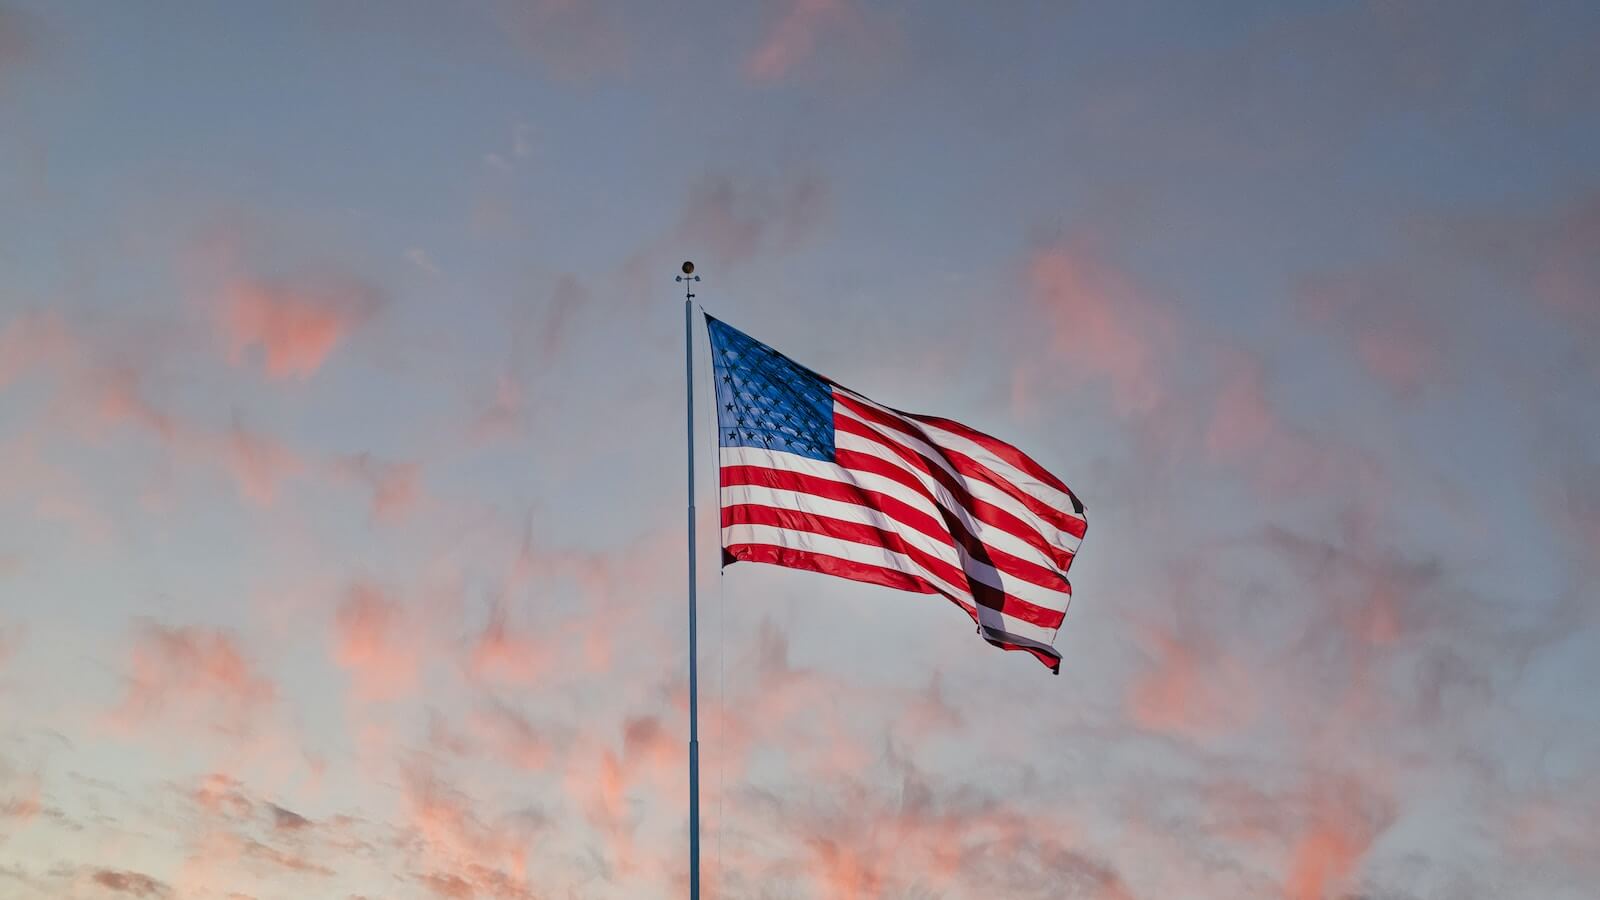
x=688, y=267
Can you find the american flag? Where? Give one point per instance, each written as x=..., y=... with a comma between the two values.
x=815, y=476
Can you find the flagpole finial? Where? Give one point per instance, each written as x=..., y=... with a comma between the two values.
x=687, y=277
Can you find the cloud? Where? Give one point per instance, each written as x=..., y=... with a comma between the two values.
x=10, y=639
x=1405, y=362
x=1246, y=429
x=737, y=220
x=793, y=37
x=395, y=486
x=893, y=830
x=1193, y=688
x=18, y=38
x=296, y=324
x=462, y=850
x=222, y=795
x=134, y=883
x=374, y=641
x=513, y=739
x=193, y=675
x=505, y=654
x=1387, y=321
x=1568, y=274
x=286, y=819
x=1341, y=822
x=540, y=334
x=101, y=388
x=1102, y=328
x=33, y=341
x=576, y=39
x=21, y=807
x=258, y=462
x=420, y=258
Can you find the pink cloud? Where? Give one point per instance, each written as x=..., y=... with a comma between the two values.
x=373, y=640
x=737, y=220
x=574, y=38
x=1246, y=429
x=118, y=396
x=10, y=640
x=1382, y=319
x=852, y=839
x=1567, y=273
x=222, y=795
x=1337, y=834
x=1405, y=362
x=1555, y=824
x=193, y=675
x=257, y=462
x=18, y=38
x=33, y=341
x=1192, y=688
x=395, y=487
x=460, y=847
x=793, y=38
x=602, y=780
x=505, y=654
x=513, y=739
x=296, y=325
x=23, y=806
x=1102, y=328
x=134, y=883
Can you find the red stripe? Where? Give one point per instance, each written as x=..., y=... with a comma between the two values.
x=965, y=465
x=830, y=565
x=873, y=536
x=788, y=480
x=844, y=568
x=948, y=529
x=1001, y=449
x=982, y=510
x=971, y=468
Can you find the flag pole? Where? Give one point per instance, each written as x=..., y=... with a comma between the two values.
x=689, y=278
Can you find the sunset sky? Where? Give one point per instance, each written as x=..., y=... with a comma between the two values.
x=342, y=453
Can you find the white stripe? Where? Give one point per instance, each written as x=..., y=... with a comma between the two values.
x=993, y=535
x=874, y=555
x=990, y=536
x=778, y=459
x=799, y=501
x=768, y=459
x=979, y=489
x=870, y=554
x=941, y=437
x=928, y=437
x=1029, y=484
x=957, y=557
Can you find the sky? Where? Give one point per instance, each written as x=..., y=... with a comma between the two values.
x=342, y=446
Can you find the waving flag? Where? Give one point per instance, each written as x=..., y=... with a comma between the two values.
x=815, y=476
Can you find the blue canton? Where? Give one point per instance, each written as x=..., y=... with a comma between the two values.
x=767, y=400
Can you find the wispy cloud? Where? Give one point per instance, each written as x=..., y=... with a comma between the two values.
x=18, y=38
x=577, y=39
x=195, y=677
x=295, y=324
x=1103, y=329
x=792, y=38
x=134, y=883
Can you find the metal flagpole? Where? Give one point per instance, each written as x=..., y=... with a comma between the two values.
x=688, y=278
